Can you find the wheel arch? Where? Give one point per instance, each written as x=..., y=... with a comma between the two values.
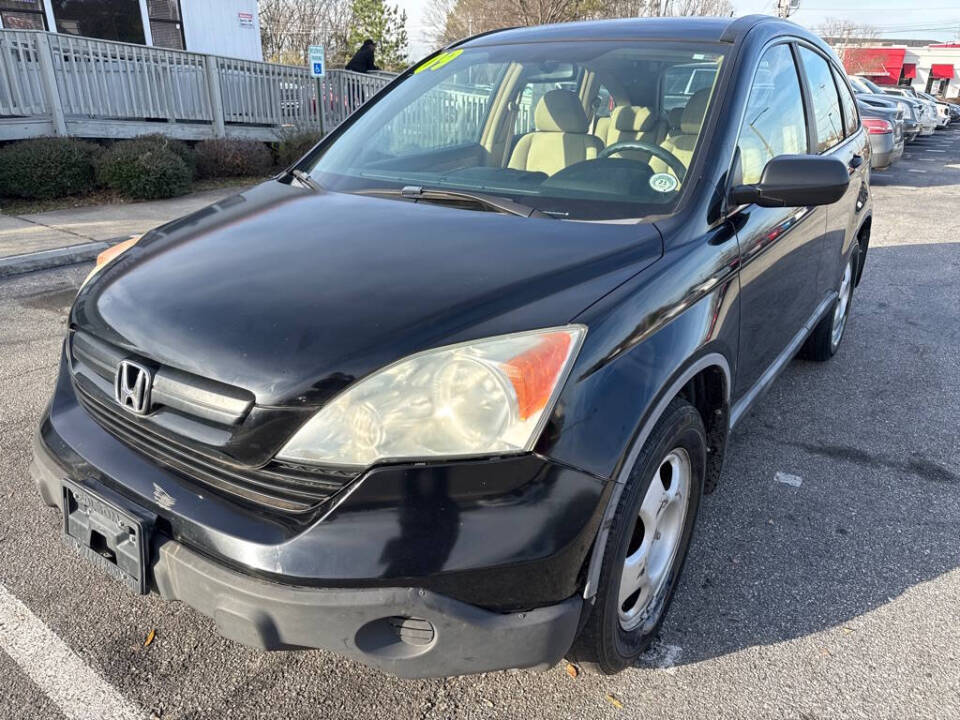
x=705, y=381
x=863, y=240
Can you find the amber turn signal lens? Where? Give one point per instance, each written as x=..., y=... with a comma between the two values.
x=534, y=373
x=109, y=255
x=111, y=252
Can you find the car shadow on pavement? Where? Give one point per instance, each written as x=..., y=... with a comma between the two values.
x=873, y=436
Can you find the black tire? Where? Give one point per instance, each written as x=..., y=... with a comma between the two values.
x=603, y=643
x=822, y=345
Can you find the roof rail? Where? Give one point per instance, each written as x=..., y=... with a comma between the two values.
x=742, y=25
x=461, y=41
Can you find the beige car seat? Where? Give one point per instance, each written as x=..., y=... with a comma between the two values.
x=561, y=136
x=683, y=144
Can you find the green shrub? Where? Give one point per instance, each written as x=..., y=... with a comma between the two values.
x=180, y=148
x=294, y=145
x=46, y=168
x=143, y=170
x=232, y=158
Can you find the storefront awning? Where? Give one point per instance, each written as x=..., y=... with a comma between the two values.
x=909, y=70
x=941, y=71
x=882, y=64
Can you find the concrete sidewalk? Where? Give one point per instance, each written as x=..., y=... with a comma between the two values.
x=62, y=237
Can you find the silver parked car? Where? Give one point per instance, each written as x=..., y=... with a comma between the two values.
x=910, y=118
x=884, y=128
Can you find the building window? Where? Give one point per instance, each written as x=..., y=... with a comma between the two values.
x=104, y=19
x=166, y=25
x=936, y=86
x=22, y=15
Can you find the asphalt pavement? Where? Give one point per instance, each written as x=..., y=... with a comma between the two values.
x=823, y=580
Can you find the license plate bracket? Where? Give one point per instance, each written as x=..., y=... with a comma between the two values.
x=108, y=531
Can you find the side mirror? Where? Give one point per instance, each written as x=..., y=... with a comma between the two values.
x=795, y=181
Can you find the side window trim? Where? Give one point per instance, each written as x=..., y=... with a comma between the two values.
x=838, y=76
x=808, y=96
x=813, y=140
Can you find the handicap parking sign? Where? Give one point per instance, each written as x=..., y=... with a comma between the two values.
x=315, y=53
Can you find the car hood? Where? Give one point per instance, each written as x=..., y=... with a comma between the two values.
x=293, y=294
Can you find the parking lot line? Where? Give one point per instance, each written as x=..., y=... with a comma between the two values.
x=77, y=689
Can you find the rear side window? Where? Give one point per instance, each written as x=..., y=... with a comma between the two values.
x=774, y=123
x=826, y=102
x=851, y=120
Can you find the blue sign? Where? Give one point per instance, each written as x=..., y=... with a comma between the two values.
x=317, y=64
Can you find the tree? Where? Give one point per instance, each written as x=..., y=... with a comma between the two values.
x=449, y=20
x=666, y=8
x=386, y=25
x=287, y=27
x=843, y=34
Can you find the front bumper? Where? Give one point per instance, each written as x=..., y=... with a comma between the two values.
x=489, y=553
x=406, y=631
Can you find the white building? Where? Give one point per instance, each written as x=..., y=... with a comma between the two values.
x=217, y=27
x=936, y=69
x=931, y=68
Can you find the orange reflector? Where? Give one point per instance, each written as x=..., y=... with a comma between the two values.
x=535, y=371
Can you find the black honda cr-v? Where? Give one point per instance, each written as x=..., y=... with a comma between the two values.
x=445, y=395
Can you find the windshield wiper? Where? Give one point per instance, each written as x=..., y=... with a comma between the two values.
x=491, y=202
x=305, y=179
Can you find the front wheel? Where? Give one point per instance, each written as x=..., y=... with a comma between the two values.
x=648, y=542
x=826, y=336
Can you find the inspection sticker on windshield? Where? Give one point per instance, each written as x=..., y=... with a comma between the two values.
x=439, y=61
x=663, y=182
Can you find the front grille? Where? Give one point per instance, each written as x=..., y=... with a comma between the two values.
x=276, y=486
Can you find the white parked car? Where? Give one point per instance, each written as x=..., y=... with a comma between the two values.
x=931, y=119
x=943, y=110
x=925, y=111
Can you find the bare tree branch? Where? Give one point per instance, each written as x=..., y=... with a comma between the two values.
x=449, y=20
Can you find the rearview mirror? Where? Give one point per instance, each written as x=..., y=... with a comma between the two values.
x=795, y=181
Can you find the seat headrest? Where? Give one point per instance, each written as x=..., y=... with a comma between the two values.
x=560, y=111
x=675, y=117
x=693, y=113
x=633, y=118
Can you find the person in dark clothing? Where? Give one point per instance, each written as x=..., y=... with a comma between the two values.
x=363, y=61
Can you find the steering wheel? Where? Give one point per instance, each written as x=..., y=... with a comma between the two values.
x=679, y=169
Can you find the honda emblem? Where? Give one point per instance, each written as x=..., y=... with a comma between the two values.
x=132, y=386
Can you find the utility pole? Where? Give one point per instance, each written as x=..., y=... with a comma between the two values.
x=785, y=7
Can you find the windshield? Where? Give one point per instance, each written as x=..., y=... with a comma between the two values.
x=585, y=130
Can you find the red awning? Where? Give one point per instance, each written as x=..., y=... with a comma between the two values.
x=941, y=71
x=909, y=70
x=882, y=64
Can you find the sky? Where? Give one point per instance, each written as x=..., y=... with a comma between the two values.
x=927, y=19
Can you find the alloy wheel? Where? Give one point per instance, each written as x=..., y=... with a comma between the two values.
x=656, y=539
x=843, y=305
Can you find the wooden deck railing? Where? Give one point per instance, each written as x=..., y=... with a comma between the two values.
x=52, y=84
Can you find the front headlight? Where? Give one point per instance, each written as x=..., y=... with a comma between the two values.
x=482, y=397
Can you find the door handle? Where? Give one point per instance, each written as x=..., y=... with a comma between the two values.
x=856, y=161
